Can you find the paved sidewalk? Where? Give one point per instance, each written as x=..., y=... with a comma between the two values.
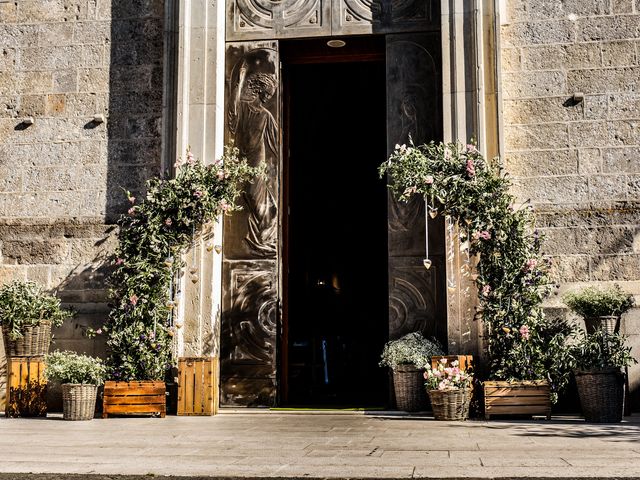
x=288, y=445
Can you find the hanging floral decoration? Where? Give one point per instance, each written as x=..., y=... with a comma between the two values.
x=153, y=238
x=511, y=274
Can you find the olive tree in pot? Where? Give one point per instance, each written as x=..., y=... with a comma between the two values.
x=80, y=376
x=27, y=315
x=600, y=308
x=407, y=357
x=599, y=358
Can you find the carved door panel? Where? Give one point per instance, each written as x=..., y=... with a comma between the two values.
x=357, y=17
x=256, y=19
x=416, y=295
x=250, y=303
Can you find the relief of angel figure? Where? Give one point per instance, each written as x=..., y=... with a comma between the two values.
x=256, y=135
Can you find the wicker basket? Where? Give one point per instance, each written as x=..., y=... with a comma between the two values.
x=34, y=342
x=408, y=383
x=610, y=323
x=601, y=395
x=450, y=404
x=78, y=401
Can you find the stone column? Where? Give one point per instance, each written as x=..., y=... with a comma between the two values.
x=470, y=110
x=199, y=125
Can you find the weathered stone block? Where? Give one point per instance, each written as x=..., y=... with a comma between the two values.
x=624, y=132
x=532, y=137
x=533, y=84
x=568, y=189
x=619, y=160
x=35, y=252
x=619, y=53
x=608, y=187
x=7, y=58
x=624, y=106
x=562, y=9
x=570, y=268
x=511, y=59
x=589, y=160
x=55, y=105
x=537, y=33
x=93, y=80
x=541, y=110
x=617, y=27
x=32, y=105
x=65, y=81
x=622, y=6
x=588, y=134
x=9, y=14
x=33, y=82
x=561, y=57
x=92, y=33
x=596, y=107
x=58, y=34
x=606, y=80
x=615, y=267
x=542, y=163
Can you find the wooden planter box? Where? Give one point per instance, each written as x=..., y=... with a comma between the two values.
x=26, y=387
x=198, y=385
x=517, y=398
x=134, y=398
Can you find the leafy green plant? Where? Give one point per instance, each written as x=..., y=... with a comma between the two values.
x=71, y=367
x=412, y=349
x=511, y=274
x=152, y=237
x=594, y=302
x=601, y=350
x=24, y=304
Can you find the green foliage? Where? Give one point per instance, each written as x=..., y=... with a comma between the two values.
x=593, y=302
x=71, y=367
x=512, y=278
x=601, y=350
x=412, y=349
x=24, y=304
x=160, y=227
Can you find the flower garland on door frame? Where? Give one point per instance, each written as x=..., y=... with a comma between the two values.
x=153, y=237
x=511, y=274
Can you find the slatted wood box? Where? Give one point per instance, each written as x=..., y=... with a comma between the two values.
x=26, y=387
x=134, y=398
x=198, y=385
x=517, y=398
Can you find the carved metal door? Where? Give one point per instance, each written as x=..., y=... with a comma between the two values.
x=416, y=295
x=250, y=267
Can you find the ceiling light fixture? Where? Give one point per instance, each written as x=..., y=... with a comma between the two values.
x=336, y=43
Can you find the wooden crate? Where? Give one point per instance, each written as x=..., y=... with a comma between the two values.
x=198, y=385
x=26, y=387
x=517, y=398
x=465, y=361
x=134, y=398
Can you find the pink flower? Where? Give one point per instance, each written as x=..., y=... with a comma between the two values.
x=221, y=174
x=447, y=153
x=486, y=290
x=119, y=261
x=168, y=222
x=224, y=206
x=190, y=159
x=471, y=168
x=198, y=193
x=132, y=211
x=531, y=263
x=471, y=148
x=428, y=180
x=99, y=331
x=133, y=299
x=132, y=199
x=524, y=332
x=484, y=235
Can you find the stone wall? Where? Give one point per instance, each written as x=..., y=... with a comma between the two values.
x=579, y=162
x=62, y=62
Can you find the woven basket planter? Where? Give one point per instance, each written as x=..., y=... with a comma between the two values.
x=408, y=383
x=450, y=404
x=34, y=342
x=601, y=395
x=78, y=401
x=610, y=323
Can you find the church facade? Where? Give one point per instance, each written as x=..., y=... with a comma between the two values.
x=321, y=266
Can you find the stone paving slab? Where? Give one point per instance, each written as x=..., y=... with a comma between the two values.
x=294, y=446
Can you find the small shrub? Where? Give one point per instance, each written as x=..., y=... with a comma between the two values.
x=593, y=302
x=412, y=349
x=601, y=350
x=71, y=367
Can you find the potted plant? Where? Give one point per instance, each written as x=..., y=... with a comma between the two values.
x=27, y=315
x=599, y=358
x=600, y=307
x=407, y=357
x=80, y=376
x=449, y=389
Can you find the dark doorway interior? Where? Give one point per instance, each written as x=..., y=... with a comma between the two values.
x=336, y=290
